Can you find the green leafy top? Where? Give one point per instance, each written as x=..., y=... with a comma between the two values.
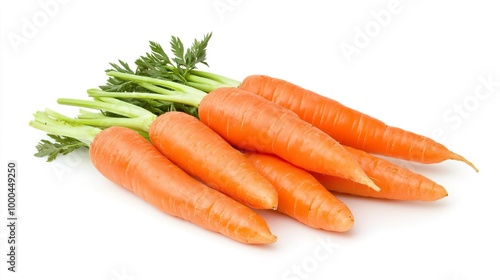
x=185, y=61
x=158, y=64
x=62, y=145
x=113, y=84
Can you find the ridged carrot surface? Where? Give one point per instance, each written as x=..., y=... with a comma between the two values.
x=129, y=160
x=253, y=123
x=301, y=196
x=202, y=153
x=395, y=181
x=348, y=126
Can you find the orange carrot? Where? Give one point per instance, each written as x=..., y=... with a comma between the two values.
x=129, y=160
x=201, y=152
x=395, y=182
x=126, y=158
x=348, y=126
x=253, y=123
x=301, y=196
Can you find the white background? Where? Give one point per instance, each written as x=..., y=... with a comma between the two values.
x=418, y=69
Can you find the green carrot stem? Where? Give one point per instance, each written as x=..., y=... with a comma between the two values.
x=203, y=87
x=155, y=81
x=188, y=99
x=158, y=89
x=224, y=81
x=45, y=122
x=203, y=80
x=110, y=105
x=84, y=114
x=135, y=118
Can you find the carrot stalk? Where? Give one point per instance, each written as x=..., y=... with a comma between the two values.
x=301, y=196
x=130, y=161
x=395, y=181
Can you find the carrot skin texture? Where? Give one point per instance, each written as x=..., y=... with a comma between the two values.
x=204, y=154
x=253, y=123
x=301, y=196
x=130, y=161
x=348, y=126
x=396, y=182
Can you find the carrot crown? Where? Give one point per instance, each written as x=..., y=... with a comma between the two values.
x=67, y=136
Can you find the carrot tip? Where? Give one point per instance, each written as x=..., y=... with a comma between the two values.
x=269, y=202
x=363, y=179
x=345, y=224
x=439, y=193
x=266, y=238
x=372, y=185
x=461, y=158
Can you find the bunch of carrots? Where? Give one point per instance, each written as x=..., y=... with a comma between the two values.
x=209, y=149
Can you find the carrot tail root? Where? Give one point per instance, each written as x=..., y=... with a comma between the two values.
x=458, y=157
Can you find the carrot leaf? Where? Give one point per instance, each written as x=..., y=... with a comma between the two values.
x=114, y=84
x=157, y=72
x=61, y=145
x=157, y=63
x=178, y=50
x=197, y=53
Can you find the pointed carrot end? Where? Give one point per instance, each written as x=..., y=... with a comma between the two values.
x=444, y=193
x=368, y=182
x=273, y=239
x=344, y=223
x=373, y=186
x=266, y=202
x=361, y=178
x=461, y=158
x=273, y=202
x=264, y=238
x=439, y=193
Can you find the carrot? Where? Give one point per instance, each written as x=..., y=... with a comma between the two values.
x=348, y=126
x=395, y=181
x=129, y=160
x=266, y=127
x=251, y=122
x=301, y=196
x=191, y=145
x=200, y=151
